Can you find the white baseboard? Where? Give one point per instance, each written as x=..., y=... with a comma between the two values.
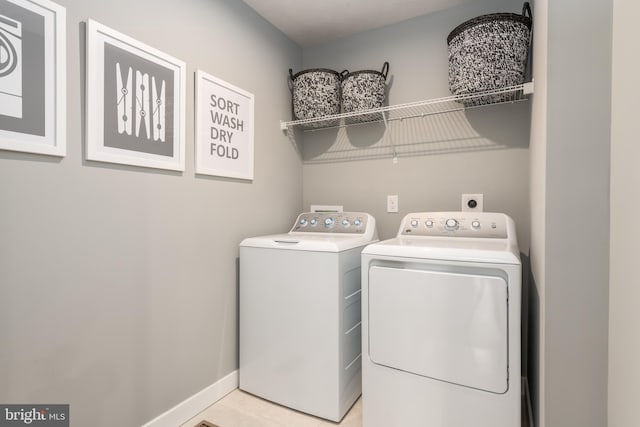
x=192, y=406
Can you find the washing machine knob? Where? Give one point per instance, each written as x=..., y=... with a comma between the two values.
x=475, y=224
x=345, y=223
x=414, y=223
x=328, y=222
x=451, y=224
x=314, y=222
x=357, y=222
x=303, y=222
x=429, y=223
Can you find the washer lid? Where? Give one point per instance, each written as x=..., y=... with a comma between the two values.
x=307, y=242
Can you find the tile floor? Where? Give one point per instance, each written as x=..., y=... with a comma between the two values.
x=240, y=409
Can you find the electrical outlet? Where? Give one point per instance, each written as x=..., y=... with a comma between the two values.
x=472, y=202
x=392, y=203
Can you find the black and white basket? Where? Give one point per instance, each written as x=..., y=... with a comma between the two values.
x=315, y=93
x=363, y=90
x=489, y=52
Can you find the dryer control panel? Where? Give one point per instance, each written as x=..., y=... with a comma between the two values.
x=332, y=222
x=455, y=224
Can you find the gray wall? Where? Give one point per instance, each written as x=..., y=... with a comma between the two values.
x=624, y=292
x=496, y=163
x=576, y=242
x=118, y=283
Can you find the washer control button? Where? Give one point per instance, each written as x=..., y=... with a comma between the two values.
x=357, y=222
x=345, y=223
x=414, y=223
x=451, y=224
x=475, y=224
x=303, y=222
x=328, y=222
x=313, y=222
x=429, y=223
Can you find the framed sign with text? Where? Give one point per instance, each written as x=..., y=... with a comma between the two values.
x=33, y=76
x=135, y=102
x=224, y=128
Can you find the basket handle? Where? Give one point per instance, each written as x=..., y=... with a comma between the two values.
x=385, y=70
x=526, y=9
x=343, y=74
x=290, y=80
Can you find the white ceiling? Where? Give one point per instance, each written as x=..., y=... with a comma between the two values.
x=314, y=22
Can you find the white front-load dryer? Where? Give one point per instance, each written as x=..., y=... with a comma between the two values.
x=441, y=323
x=300, y=327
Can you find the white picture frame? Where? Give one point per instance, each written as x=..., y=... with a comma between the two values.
x=135, y=102
x=33, y=99
x=224, y=128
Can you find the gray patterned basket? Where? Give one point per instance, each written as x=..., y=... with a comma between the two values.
x=489, y=52
x=363, y=90
x=315, y=93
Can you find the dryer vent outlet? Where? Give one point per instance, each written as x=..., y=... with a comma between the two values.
x=472, y=202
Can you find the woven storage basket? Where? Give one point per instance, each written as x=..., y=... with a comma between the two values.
x=315, y=93
x=363, y=90
x=489, y=52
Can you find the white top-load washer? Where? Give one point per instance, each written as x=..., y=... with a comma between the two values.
x=441, y=323
x=300, y=329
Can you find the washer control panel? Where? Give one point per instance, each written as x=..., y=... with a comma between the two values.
x=331, y=222
x=455, y=224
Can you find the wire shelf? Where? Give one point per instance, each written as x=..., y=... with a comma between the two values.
x=399, y=128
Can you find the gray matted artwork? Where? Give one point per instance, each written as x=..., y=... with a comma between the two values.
x=138, y=103
x=135, y=102
x=22, y=70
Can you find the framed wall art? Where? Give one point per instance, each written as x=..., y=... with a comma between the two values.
x=224, y=128
x=135, y=102
x=33, y=77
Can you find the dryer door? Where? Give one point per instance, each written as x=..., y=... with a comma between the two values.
x=442, y=325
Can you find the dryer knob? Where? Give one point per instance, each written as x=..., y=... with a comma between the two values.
x=451, y=224
x=357, y=222
x=329, y=222
x=314, y=222
x=303, y=222
x=345, y=223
